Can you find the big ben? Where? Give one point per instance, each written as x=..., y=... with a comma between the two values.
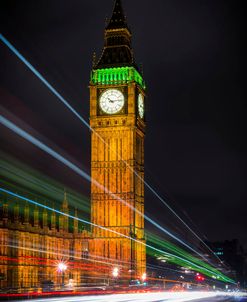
x=117, y=119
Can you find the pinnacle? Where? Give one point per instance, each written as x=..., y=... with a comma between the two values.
x=118, y=19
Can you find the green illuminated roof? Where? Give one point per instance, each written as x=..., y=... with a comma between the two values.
x=118, y=75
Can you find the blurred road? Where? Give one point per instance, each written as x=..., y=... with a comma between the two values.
x=222, y=299
x=149, y=297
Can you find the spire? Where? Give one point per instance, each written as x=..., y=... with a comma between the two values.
x=53, y=219
x=26, y=213
x=118, y=19
x=76, y=222
x=65, y=201
x=94, y=59
x=16, y=212
x=36, y=216
x=117, y=50
x=5, y=212
x=63, y=219
x=45, y=216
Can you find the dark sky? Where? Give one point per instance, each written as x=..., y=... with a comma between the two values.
x=194, y=64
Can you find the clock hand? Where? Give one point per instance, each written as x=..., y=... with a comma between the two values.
x=111, y=101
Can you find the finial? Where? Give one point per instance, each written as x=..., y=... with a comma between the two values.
x=5, y=211
x=94, y=59
x=53, y=218
x=36, y=207
x=16, y=212
x=36, y=216
x=65, y=201
x=26, y=213
x=76, y=222
x=64, y=193
x=141, y=67
x=44, y=214
x=53, y=213
x=132, y=56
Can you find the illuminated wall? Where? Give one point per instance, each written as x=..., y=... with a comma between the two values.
x=117, y=153
x=32, y=244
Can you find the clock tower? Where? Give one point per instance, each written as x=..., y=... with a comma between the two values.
x=117, y=119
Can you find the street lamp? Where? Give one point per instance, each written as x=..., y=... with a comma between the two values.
x=144, y=277
x=115, y=273
x=61, y=268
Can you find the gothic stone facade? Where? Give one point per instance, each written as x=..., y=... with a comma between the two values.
x=32, y=246
x=117, y=119
x=30, y=251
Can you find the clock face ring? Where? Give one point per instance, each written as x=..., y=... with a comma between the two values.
x=141, y=105
x=111, y=101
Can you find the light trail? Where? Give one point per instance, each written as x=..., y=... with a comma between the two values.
x=124, y=265
x=66, y=103
x=37, y=182
x=43, y=80
x=80, y=172
x=151, y=237
x=54, y=262
x=199, y=268
x=66, y=256
x=28, y=259
x=141, y=297
x=156, y=240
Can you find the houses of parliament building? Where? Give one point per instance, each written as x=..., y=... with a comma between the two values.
x=34, y=241
x=33, y=246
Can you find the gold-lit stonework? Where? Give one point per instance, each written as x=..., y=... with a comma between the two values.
x=33, y=242
x=117, y=157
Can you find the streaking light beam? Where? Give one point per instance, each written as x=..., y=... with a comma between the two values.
x=77, y=170
x=225, y=279
x=62, y=99
x=43, y=80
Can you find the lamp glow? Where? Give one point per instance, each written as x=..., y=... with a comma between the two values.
x=144, y=277
x=61, y=267
x=115, y=272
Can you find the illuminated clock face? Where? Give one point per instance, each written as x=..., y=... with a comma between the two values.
x=111, y=101
x=141, y=105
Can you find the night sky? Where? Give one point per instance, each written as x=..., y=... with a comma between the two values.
x=194, y=64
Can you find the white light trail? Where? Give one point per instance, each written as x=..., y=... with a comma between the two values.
x=79, y=171
x=66, y=103
x=104, y=228
x=144, y=297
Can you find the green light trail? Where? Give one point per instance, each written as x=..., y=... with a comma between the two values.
x=171, y=257
x=34, y=181
x=20, y=177
x=122, y=74
x=86, y=176
x=173, y=254
x=113, y=76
